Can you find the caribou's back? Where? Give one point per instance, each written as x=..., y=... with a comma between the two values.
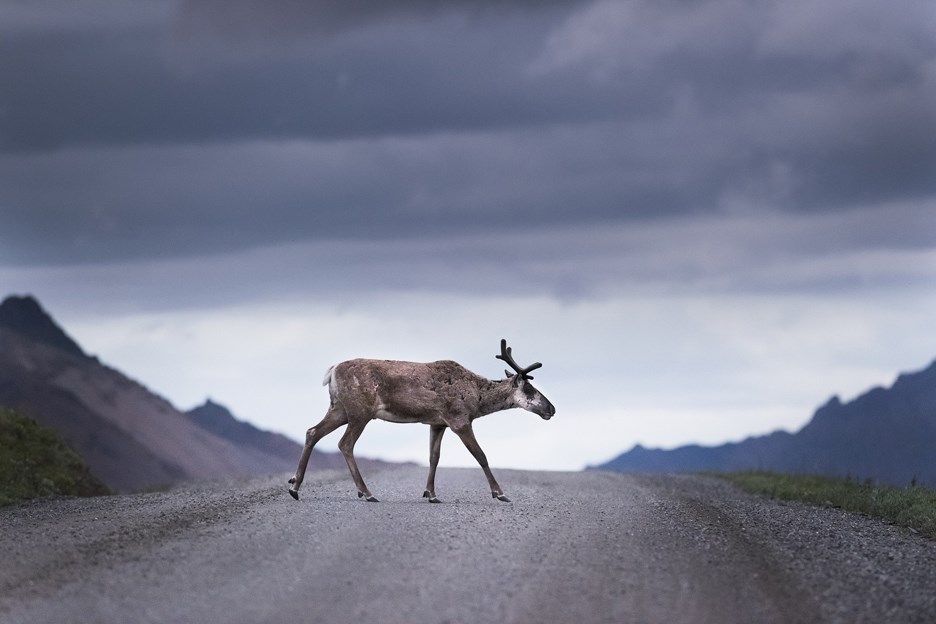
x=399, y=391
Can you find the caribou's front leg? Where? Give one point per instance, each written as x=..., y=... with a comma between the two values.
x=435, y=450
x=346, y=446
x=467, y=436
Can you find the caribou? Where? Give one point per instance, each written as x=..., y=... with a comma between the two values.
x=443, y=395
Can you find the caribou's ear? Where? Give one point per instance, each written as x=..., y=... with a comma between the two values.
x=508, y=373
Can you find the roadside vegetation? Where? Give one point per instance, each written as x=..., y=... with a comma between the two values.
x=34, y=462
x=913, y=506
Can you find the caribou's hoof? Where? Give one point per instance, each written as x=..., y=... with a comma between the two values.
x=501, y=497
x=294, y=493
x=433, y=499
x=371, y=499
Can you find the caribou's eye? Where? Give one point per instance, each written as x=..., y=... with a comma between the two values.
x=528, y=389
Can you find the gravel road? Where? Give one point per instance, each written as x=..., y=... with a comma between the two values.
x=571, y=547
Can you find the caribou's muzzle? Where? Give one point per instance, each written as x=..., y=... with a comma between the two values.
x=546, y=411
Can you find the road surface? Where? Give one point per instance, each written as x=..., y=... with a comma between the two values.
x=571, y=547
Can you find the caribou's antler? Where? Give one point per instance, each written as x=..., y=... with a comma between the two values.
x=507, y=357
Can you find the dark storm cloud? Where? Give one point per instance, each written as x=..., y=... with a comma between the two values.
x=247, y=72
x=162, y=129
x=216, y=198
x=237, y=19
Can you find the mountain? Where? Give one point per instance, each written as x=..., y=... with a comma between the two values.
x=886, y=434
x=26, y=317
x=218, y=420
x=130, y=437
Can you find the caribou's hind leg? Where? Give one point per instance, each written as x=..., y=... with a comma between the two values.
x=435, y=450
x=334, y=418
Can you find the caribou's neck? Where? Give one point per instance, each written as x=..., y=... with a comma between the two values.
x=495, y=396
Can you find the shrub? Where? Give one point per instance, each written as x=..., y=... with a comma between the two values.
x=35, y=462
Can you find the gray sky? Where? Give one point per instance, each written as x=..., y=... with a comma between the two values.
x=704, y=217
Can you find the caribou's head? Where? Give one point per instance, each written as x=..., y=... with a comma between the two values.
x=524, y=395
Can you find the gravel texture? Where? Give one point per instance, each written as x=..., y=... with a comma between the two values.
x=571, y=547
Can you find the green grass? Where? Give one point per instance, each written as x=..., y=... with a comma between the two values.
x=35, y=462
x=913, y=506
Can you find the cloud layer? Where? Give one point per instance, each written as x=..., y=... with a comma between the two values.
x=203, y=127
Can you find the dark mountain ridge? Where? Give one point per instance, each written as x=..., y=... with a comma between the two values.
x=886, y=434
x=25, y=316
x=130, y=437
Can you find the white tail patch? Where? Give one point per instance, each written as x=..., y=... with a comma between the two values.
x=329, y=377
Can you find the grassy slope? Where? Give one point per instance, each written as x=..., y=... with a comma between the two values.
x=35, y=462
x=913, y=507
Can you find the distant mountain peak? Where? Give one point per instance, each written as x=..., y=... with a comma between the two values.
x=209, y=404
x=887, y=434
x=213, y=415
x=25, y=316
x=219, y=420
